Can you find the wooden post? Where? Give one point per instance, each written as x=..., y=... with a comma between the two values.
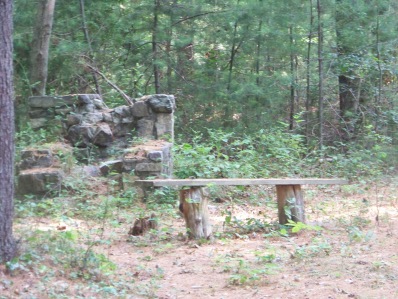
x=194, y=207
x=291, y=198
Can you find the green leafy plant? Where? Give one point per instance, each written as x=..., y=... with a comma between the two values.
x=243, y=272
x=296, y=227
x=246, y=226
x=318, y=247
x=165, y=196
x=63, y=249
x=225, y=154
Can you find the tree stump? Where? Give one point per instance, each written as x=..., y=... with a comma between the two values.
x=290, y=203
x=193, y=205
x=142, y=225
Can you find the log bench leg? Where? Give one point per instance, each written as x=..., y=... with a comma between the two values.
x=193, y=205
x=290, y=201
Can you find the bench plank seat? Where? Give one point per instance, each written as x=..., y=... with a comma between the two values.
x=240, y=182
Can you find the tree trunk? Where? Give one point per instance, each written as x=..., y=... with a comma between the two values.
x=308, y=77
x=194, y=207
x=349, y=83
x=293, y=79
x=258, y=53
x=234, y=50
x=320, y=71
x=259, y=40
x=348, y=91
x=380, y=72
x=90, y=48
x=40, y=46
x=232, y=57
x=7, y=241
x=169, y=40
x=155, y=46
x=184, y=44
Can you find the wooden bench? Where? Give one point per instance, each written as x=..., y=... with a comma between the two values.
x=194, y=205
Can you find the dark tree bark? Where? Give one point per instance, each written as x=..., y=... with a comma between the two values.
x=320, y=72
x=232, y=57
x=293, y=79
x=169, y=40
x=184, y=43
x=7, y=241
x=258, y=53
x=40, y=46
x=234, y=50
x=380, y=71
x=308, y=76
x=259, y=57
x=349, y=83
x=90, y=48
x=155, y=46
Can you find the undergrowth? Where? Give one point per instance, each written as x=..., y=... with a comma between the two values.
x=277, y=153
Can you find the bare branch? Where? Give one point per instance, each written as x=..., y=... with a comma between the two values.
x=114, y=86
x=197, y=16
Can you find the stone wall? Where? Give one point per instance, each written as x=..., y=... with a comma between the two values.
x=89, y=125
x=86, y=120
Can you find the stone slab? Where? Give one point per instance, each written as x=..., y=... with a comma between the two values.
x=50, y=101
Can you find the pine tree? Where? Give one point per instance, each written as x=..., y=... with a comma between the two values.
x=7, y=241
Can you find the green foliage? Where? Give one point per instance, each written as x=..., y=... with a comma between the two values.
x=31, y=206
x=165, y=196
x=222, y=154
x=27, y=137
x=78, y=198
x=369, y=157
x=318, y=247
x=276, y=153
x=299, y=226
x=265, y=257
x=243, y=271
x=63, y=249
x=238, y=227
x=244, y=274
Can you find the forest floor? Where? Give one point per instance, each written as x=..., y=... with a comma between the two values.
x=348, y=249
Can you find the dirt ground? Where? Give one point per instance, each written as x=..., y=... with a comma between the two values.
x=353, y=255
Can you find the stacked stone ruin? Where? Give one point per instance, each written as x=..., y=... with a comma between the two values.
x=89, y=126
x=38, y=172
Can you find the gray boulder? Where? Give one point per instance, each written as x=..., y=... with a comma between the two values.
x=39, y=181
x=81, y=135
x=140, y=110
x=111, y=166
x=161, y=103
x=103, y=135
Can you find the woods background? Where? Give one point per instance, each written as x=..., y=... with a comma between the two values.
x=326, y=69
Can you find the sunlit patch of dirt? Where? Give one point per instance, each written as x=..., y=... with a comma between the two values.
x=354, y=255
